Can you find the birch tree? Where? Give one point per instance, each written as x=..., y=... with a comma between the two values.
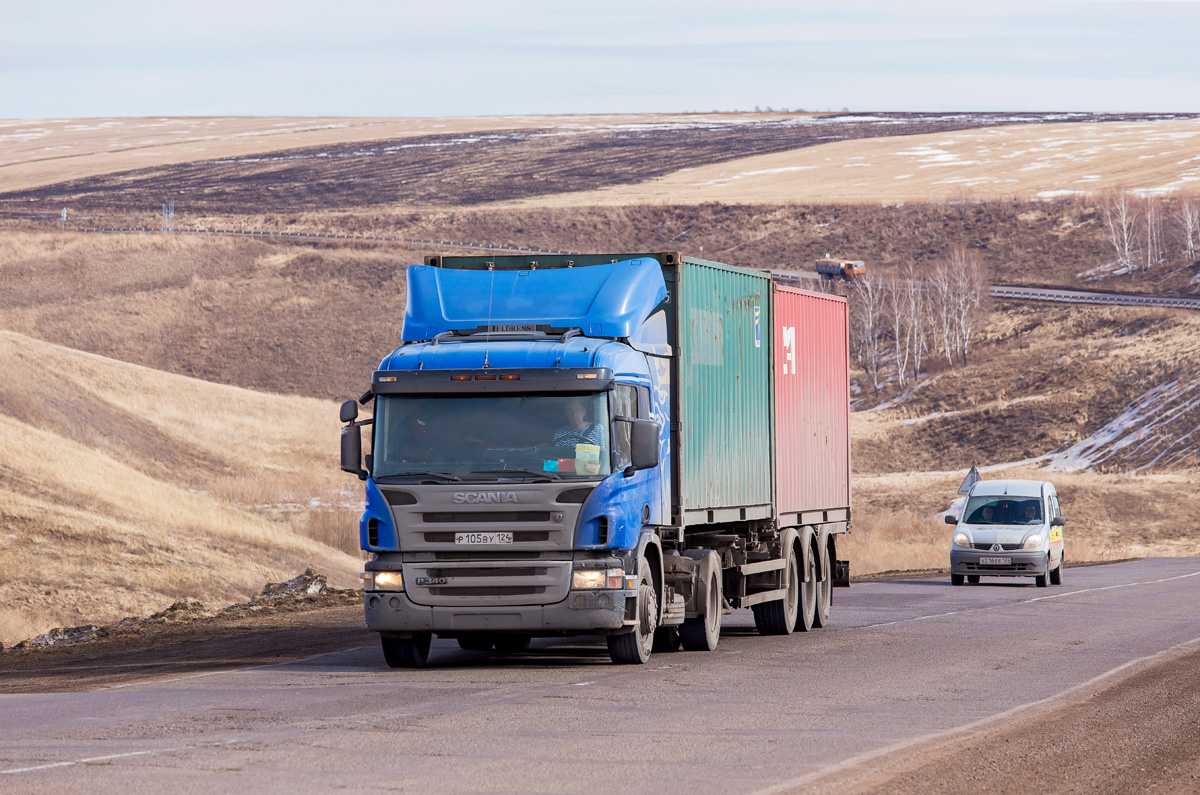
x=1154, y=248
x=868, y=323
x=1187, y=221
x=1120, y=219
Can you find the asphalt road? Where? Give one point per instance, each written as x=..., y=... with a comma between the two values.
x=903, y=662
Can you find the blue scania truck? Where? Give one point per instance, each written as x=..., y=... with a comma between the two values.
x=629, y=446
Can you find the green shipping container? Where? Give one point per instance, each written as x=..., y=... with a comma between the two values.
x=722, y=418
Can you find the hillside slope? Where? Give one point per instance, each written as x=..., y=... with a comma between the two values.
x=123, y=489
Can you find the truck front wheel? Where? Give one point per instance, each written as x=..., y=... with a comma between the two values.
x=407, y=652
x=633, y=648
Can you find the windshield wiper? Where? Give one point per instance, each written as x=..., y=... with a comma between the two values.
x=527, y=472
x=442, y=475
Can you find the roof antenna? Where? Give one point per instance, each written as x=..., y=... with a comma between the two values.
x=488, y=337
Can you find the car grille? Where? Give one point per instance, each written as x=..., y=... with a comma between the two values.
x=1005, y=547
x=501, y=582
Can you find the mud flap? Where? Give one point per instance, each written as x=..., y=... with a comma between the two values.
x=841, y=574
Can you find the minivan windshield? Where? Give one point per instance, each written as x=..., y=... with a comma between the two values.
x=1003, y=510
x=484, y=437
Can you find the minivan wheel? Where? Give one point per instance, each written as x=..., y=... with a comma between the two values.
x=957, y=579
x=1043, y=579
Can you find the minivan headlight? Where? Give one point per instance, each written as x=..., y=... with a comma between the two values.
x=961, y=540
x=1033, y=542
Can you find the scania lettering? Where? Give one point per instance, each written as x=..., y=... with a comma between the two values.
x=623, y=445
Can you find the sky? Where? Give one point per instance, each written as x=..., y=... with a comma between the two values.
x=69, y=59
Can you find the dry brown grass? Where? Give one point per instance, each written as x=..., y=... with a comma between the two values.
x=125, y=488
x=1010, y=162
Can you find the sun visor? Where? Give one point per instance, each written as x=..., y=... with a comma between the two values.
x=607, y=300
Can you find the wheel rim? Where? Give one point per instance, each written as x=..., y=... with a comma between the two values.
x=647, y=615
x=793, y=589
x=712, y=621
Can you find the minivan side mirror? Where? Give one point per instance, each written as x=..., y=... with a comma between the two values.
x=643, y=444
x=1057, y=521
x=951, y=519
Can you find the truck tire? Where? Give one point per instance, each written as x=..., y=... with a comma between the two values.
x=512, y=644
x=407, y=652
x=633, y=648
x=475, y=643
x=806, y=610
x=702, y=632
x=1056, y=576
x=779, y=616
x=824, y=591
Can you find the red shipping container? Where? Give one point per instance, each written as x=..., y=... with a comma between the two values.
x=811, y=370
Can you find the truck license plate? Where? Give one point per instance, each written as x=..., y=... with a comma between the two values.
x=483, y=538
x=995, y=561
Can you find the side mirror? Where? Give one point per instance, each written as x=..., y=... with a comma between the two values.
x=1057, y=521
x=352, y=451
x=951, y=519
x=349, y=411
x=643, y=443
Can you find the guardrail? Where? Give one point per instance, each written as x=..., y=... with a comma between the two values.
x=1084, y=297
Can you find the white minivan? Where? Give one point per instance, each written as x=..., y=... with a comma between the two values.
x=1008, y=528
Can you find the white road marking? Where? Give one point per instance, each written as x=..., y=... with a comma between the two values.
x=88, y=760
x=853, y=761
x=1024, y=601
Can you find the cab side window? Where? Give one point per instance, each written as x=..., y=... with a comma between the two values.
x=624, y=409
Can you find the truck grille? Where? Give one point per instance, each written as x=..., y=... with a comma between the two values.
x=502, y=582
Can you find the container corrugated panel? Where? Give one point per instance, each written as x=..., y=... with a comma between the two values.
x=724, y=387
x=812, y=401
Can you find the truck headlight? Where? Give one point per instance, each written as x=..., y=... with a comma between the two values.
x=1033, y=542
x=383, y=581
x=583, y=579
x=961, y=540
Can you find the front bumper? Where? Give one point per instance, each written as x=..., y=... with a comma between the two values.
x=1025, y=562
x=599, y=611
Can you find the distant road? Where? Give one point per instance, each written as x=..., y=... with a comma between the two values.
x=902, y=662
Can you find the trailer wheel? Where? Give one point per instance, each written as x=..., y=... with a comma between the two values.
x=779, y=616
x=702, y=632
x=633, y=648
x=407, y=652
x=806, y=613
x=824, y=591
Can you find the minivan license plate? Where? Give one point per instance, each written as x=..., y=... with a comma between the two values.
x=483, y=538
x=995, y=561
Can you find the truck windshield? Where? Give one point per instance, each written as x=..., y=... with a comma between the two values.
x=1004, y=510
x=480, y=437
